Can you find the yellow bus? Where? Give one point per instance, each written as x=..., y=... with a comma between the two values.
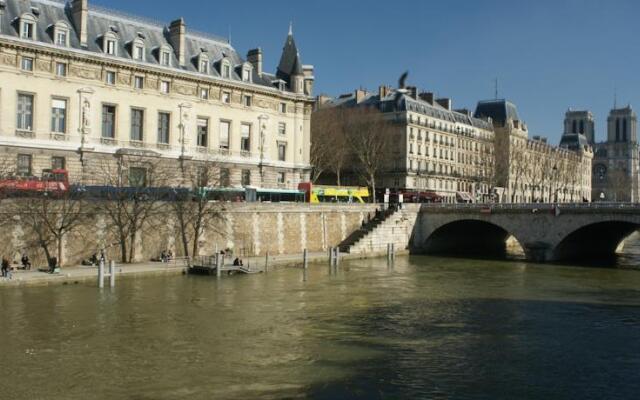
x=333, y=194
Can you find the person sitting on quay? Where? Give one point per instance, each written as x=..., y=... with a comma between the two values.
x=238, y=262
x=26, y=264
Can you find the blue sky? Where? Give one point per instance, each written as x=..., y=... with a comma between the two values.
x=547, y=55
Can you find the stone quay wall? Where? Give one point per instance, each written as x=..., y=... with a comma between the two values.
x=250, y=229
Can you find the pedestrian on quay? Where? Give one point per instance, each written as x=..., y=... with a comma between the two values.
x=6, y=268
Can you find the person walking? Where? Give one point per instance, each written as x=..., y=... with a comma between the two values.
x=26, y=264
x=6, y=268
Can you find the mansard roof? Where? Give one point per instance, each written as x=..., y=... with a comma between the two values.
x=390, y=103
x=499, y=110
x=127, y=28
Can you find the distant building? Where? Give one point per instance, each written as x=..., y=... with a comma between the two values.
x=81, y=85
x=616, y=164
x=436, y=148
x=530, y=169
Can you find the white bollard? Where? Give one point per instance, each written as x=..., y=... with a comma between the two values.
x=112, y=273
x=219, y=262
x=101, y=274
x=337, y=256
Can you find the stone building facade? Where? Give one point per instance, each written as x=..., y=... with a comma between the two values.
x=436, y=148
x=81, y=86
x=530, y=169
x=616, y=163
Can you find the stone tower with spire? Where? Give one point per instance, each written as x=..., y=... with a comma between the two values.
x=297, y=76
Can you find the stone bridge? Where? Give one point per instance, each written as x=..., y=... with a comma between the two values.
x=546, y=232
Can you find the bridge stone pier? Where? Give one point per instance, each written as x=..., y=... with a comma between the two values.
x=546, y=232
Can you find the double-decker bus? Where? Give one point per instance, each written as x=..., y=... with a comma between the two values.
x=333, y=194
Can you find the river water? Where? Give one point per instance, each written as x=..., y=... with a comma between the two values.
x=427, y=328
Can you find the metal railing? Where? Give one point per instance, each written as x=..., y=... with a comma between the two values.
x=532, y=206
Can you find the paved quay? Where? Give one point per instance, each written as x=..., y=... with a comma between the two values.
x=88, y=274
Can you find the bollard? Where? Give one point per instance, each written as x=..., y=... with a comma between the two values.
x=331, y=257
x=388, y=252
x=337, y=256
x=218, y=265
x=305, y=259
x=266, y=262
x=101, y=274
x=112, y=273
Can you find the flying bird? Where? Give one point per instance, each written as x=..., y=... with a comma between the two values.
x=402, y=89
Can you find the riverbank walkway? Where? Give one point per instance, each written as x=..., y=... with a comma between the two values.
x=89, y=274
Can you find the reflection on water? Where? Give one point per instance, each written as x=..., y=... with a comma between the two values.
x=426, y=328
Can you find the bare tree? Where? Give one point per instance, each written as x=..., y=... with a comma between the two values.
x=49, y=220
x=370, y=138
x=129, y=202
x=329, y=149
x=193, y=210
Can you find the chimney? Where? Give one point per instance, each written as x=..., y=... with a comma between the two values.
x=383, y=91
x=79, y=14
x=177, y=38
x=254, y=57
x=445, y=103
x=360, y=95
x=427, y=96
x=412, y=91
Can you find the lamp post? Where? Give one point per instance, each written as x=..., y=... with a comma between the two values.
x=555, y=184
x=84, y=122
x=262, y=125
x=184, y=117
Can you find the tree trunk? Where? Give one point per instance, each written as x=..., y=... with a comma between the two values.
x=60, y=238
x=373, y=187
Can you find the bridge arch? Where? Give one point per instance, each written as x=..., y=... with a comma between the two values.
x=593, y=241
x=468, y=237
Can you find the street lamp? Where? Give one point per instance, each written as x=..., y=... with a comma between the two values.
x=555, y=184
x=262, y=125
x=184, y=117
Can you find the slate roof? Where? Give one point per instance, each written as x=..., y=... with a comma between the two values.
x=573, y=141
x=290, y=63
x=408, y=103
x=498, y=110
x=127, y=29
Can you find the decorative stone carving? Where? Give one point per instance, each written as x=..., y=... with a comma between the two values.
x=184, y=90
x=59, y=137
x=124, y=78
x=108, y=141
x=9, y=59
x=26, y=134
x=84, y=73
x=43, y=65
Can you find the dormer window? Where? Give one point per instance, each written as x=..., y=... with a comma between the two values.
x=225, y=69
x=203, y=64
x=137, y=50
x=246, y=74
x=28, y=27
x=165, y=57
x=61, y=34
x=110, y=44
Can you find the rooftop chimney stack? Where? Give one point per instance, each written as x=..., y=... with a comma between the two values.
x=383, y=91
x=80, y=14
x=177, y=38
x=427, y=96
x=445, y=103
x=360, y=95
x=413, y=92
x=254, y=57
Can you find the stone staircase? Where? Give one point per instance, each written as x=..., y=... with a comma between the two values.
x=392, y=227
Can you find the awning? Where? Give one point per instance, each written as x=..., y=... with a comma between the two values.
x=464, y=196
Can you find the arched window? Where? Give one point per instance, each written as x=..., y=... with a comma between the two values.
x=617, y=129
x=28, y=26
x=61, y=34
x=247, y=72
x=582, y=127
x=574, y=129
x=110, y=43
x=624, y=130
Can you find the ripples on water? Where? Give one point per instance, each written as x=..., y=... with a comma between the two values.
x=427, y=328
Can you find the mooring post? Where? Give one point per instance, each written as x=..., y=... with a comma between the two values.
x=112, y=273
x=331, y=257
x=101, y=274
x=388, y=252
x=337, y=256
x=266, y=262
x=218, y=267
x=305, y=260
